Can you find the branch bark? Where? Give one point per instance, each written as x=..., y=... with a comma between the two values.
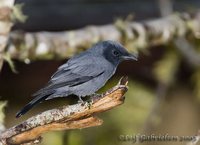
x=65, y=118
x=182, y=44
x=134, y=35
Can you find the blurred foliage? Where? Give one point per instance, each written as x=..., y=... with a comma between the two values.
x=166, y=68
x=8, y=59
x=2, y=115
x=53, y=138
x=17, y=14
x=196, y=74
x=74, y=138
x=2, y=106
x=132, y=43
x=196, y=81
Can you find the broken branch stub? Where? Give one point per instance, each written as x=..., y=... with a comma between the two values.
x=68, y=117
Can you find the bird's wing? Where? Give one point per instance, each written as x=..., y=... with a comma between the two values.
x=76, y=71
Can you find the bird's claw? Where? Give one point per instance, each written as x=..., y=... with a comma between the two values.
x=95, y=97
x=89, y=103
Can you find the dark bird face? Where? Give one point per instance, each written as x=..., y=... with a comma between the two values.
x=114, y=52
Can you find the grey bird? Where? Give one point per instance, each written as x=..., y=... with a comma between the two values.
x=83, y=74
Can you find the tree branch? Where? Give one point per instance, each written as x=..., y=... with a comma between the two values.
x=188, y=51
x=65, y=118
x=5, y=25
x=134, y=35
x=182, y=44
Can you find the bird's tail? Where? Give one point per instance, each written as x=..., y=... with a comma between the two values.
x=30, y=105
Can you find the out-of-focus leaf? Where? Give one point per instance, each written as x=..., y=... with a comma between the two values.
x=196, y=82
x=75, y=138
x=53, y=138
x=17, y=13
x=2, y=116
x=134, y=42
x=166, y=68
x=131, y=116
x=8, y=59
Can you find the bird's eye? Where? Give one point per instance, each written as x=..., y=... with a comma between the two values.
x=116, y=53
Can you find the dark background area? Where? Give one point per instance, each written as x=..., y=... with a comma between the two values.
x=58, y=15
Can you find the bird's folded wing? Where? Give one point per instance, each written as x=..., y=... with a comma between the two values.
x=72, y=74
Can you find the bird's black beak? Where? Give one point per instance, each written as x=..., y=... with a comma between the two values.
x=130, y=57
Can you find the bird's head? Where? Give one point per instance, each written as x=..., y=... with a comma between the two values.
x=114, y=52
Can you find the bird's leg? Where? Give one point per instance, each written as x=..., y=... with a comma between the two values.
x=80, y=100
x=95, y=96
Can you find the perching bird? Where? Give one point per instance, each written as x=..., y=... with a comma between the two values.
x=83, y=74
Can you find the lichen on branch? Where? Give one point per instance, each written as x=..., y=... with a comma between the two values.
x=135, y=36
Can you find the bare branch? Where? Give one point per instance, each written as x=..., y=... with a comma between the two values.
x=134, y=35
x=67, y=117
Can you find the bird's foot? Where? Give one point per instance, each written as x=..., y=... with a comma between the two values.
x=80, y=101
x=89, y=104
x=95, y=97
